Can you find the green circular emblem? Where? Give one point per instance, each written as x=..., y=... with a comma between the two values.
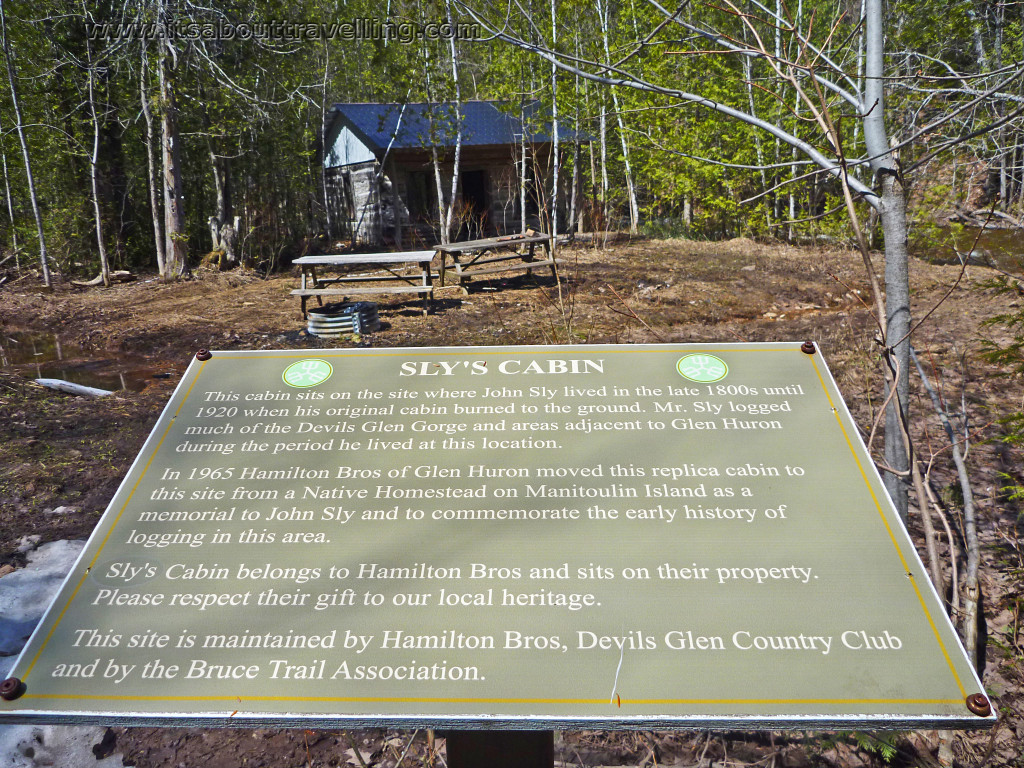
x=702, y=368
x=307, y=373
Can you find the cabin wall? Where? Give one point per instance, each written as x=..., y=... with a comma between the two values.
x=347, y=150
x=354, y=199
x=488, y=203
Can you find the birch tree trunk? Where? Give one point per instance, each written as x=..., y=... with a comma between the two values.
x=449, y=217
x=634, y=211
x=434, y=155
x=574, y=217
x=156, y=210
x=94, y=172
x=328, y=219
x=794, y=169
x=976, y=36
x=522, y=167
x=893, y=216
x=436, y=161
x=777, y=198
x=19, y=126
x=604, y=169
x=554, y=134
x=757, y=136
x=10, y=207
x=220, y=167
x=176, y=252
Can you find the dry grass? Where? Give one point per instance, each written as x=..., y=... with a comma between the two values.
x=634, y=292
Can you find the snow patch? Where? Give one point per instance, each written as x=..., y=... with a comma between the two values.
x=34, y=746
x=26, y=594
x=24, y=597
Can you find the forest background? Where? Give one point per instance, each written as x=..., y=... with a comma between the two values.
x=239, y=93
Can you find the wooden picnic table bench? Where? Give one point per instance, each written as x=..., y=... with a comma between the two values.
x=496, y=254
x=418, y=282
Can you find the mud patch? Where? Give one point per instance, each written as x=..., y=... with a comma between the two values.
x=68, y=453
x=43, y=355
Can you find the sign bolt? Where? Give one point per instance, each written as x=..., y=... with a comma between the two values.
x=807, y=347
x=203, y=354
x=979, y=704
x=11, y=689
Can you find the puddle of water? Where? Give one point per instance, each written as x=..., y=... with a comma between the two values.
x=1005, y=246
x=45, y=356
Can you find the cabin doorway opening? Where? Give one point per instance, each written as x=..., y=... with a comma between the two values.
x=475, y=204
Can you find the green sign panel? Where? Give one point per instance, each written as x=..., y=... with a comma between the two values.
x=588, y=536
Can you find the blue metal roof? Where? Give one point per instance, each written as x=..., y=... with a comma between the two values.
x=483, y=124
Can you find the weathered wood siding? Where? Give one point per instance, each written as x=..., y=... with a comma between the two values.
x=362, y=202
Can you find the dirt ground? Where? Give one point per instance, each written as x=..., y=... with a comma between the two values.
x=70, y=453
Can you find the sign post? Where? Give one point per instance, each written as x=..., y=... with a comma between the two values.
x=507, y=538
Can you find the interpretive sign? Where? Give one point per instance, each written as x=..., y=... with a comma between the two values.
x=504, y=537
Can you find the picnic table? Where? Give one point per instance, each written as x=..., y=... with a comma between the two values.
x=496, y=254
x=390, y=267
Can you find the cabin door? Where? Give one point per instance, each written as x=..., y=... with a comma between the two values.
x=475, y=205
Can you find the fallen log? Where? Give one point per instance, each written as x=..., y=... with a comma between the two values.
x=986, y=213
x=73, y=389
x=117, y=276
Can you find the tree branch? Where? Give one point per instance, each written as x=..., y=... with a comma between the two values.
x=625, y=80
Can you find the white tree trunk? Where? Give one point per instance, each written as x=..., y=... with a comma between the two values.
x=436, y=161
x=554, y=134
x=434, y=157
x=757, y=136
x=151, y=177
x=176, y=254
x=897, y=310
x=574, y=206
x=323, y=133
x=522, y=167
x=603, y=137
x=10, y=207
x=574, y=217
x=94, y=171
x=893, y=216
x=450, y=215
x=634, y=210
x=44, y=261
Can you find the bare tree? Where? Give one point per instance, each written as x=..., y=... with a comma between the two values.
x=435, y=155
x=176, y=251
x=554, y=132
x=453, y=51
x=818, y=78
x=152, y=176
x=94, y=160
x=634, y=209
x=328, y=220
x=10, y=204
x=523, y=168
x=20, y=128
